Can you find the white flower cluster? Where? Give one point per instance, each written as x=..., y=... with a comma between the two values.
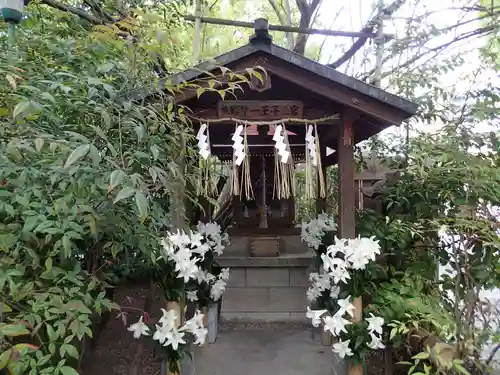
x=217, y=284
x=187, y=250
x=168, y=334
x=213, y=234
x=319, y=284
x=355, y=254
x=312, y=233
x=336, y=324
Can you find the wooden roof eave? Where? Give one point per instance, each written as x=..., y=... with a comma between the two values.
x=324, y=78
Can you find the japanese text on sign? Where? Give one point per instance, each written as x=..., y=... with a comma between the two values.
x=260, y=110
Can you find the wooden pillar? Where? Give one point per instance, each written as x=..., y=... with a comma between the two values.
x=347, y=199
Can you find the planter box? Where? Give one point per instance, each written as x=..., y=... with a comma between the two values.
x=339, y=365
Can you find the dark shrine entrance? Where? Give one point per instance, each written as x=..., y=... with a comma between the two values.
x=320, y=114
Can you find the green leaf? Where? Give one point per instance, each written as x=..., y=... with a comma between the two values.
x=394, y=332
x=78, y=306
x=51, y=333
x=142, y=205
x=115, y=179
x=77, y=154
x=12, y=81
x=124, y=193
x=48, y=264
x=13, y=330
x=460, y=368
x=39, y=144
x=199, y=91
x=4, y=358
x=20, y=108
x=66, y=370
x=94, y=155
x=70, y=350
x=421, y=356
x=67, y=246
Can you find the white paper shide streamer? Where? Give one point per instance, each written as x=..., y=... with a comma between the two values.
x=238, y=146
x=203, y=142
x=280, y=145
x=311, y=145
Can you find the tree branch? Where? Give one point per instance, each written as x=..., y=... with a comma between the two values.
x=306, y=12
x=368, y=28
x=77, y=11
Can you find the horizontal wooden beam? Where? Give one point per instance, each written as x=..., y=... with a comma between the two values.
x=288, y=29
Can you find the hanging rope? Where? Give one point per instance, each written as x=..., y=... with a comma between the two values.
x=284, y=176
x=234, y=173
x=273, y=122
x=321, y=178
x=207, y=180
x=246, y=179
x=309, y=187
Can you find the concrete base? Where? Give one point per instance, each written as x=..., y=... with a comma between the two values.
x=266, y=289
x=292, y=352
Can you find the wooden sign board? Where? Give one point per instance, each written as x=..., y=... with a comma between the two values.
x=260, y=110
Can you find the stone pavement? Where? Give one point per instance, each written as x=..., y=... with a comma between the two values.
x=288, y=351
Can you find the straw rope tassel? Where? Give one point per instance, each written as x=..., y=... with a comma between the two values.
x=246, y=180
x=321, y=177
x=308, y=182
x=277, y=183
x=290, y=166
x=234, y=173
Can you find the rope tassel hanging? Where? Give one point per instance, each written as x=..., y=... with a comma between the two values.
x=246, y=180
x=284, y=181
x=314, y=172
x=207, y=181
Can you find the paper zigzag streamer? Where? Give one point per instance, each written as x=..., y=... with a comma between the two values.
x=239, y=147
x=311, y=145
x=203, y=142
x=280, y=145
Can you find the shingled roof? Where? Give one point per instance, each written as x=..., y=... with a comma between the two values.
x=262, y=42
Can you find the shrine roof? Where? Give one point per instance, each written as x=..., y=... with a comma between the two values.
x=261, y=43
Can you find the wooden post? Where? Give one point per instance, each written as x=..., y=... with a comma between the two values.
x=347, y=200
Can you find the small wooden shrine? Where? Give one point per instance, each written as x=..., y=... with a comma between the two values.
x=299, y=112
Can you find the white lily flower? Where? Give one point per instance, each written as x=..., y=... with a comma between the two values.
x=376, y=342
x=340, y=274
x=334, y=292
x=375, y=324
x=168, y=319
x=335, y=324
x=139, y=329
x=196, y=239
x=160, y=334
x=200, y=335
x=224, y=274
x=315, y=316
x=217, y=289
x=201, y=250
x=179, y=239
x=174, y=338
x=192, y=296
x=342, y=348
x=313, y=293
x=345, y=306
